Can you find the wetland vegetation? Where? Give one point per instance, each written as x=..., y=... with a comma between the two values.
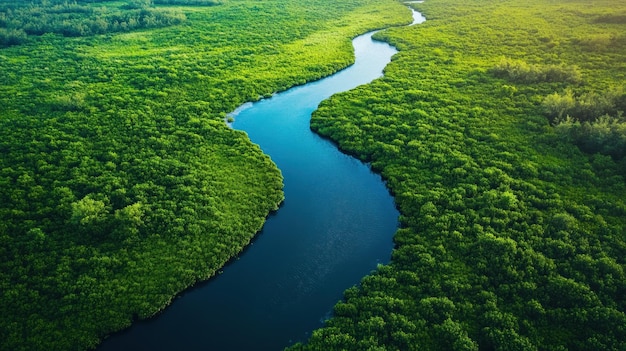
x=120, y=183
x=499, y=128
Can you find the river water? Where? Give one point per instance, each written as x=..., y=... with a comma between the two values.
x=335, y=226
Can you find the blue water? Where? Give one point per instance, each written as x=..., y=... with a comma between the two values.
x=335, y=226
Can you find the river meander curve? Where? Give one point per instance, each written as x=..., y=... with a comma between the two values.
x=335, y=226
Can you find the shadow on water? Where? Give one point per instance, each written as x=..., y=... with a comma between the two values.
x=335, y=226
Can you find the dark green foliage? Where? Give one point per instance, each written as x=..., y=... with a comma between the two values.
x=75, y=20
x=615, y=18
x=511, y=238
x=606, y=135
x=594, y=121
x=586, y=107
x=519, y=71
x=10, y=37
x=188, y=2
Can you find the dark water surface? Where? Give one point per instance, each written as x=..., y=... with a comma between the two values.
x=335, y=226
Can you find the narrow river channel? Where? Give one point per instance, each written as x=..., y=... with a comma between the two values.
x=335, y=226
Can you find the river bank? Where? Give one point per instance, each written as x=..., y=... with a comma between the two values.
x=334, y=227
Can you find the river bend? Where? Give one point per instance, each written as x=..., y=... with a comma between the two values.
x=335, y=226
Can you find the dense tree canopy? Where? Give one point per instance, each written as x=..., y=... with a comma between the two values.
x=83, y=18
x=120, y=183
x=512, y=238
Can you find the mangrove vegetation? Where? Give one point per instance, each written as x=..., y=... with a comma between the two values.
x=500, y=130
x=120, y=183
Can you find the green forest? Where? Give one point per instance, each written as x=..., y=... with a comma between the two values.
x=120, y=183
x=499, y=128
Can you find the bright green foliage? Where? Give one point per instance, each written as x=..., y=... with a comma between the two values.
x=120, y=183
x=511, y=238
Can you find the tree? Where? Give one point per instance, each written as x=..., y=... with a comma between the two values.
x=89, y=211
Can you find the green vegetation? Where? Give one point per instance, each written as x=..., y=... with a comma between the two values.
x=120, y=183
x=519, y=71
x=512, y=238
x=73, y=19
x=593, y=121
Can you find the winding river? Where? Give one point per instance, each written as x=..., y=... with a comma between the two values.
x=335, y=226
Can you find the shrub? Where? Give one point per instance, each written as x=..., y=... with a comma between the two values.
x=587, y=106
x=519, y=71
x=606, y=135
x=9, y=37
